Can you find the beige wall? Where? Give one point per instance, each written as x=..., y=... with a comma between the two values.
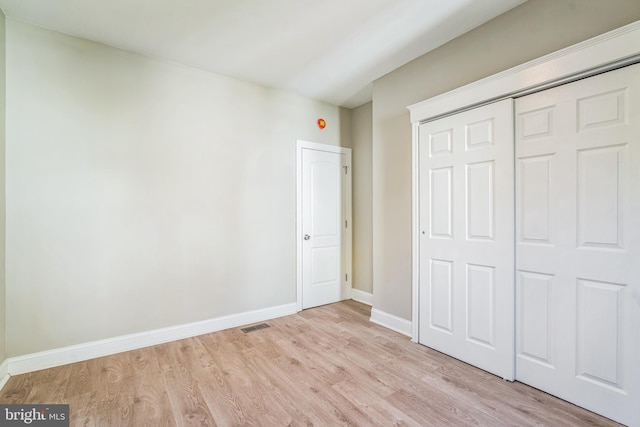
x=3, y=329
x=143, y=194
x=531, y=30
x=362, y=193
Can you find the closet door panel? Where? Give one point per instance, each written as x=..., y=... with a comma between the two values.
x=466, y=237
x=578, y=242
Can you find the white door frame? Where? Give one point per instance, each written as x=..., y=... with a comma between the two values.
x=347, y=249
x=602, y=53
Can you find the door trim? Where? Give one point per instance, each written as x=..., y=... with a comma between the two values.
x=602, y=53
x=348, y=241
x=599, y=54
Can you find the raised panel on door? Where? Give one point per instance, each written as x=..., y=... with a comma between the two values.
x=578, y=242
x=466, y=286
x=599, y=196
x=440, y=297
x=599, y=324
x=480, y=305
x=534, y=222
x=480, y=208
x=534, y=318
x=441, y=202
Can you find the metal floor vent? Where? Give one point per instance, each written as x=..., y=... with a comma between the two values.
x=254, y=328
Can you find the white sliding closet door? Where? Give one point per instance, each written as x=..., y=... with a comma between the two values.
x=466, y=283
x=578, y=242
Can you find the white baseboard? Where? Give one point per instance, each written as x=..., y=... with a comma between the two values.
x=362, y=296
x=4, y=373
x=77, y=353
x=392, y=322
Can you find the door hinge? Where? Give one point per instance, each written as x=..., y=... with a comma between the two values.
x=346, y=224
x=346, y=277
x=345, y=169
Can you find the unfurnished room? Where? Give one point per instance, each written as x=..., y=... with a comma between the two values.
x=295, y=212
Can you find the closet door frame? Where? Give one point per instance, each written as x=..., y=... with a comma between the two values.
x=603, y=53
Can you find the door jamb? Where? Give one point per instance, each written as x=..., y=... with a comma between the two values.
x=348, y=241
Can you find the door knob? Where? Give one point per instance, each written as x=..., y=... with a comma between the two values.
x=307, y=237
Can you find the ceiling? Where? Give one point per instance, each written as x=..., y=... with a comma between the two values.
x=331, y=50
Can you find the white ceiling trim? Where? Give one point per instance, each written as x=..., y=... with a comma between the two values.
x=613, y=49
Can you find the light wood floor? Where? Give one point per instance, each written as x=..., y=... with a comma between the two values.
x=326, y=366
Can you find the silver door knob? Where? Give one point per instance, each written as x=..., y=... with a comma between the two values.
x=307, y=237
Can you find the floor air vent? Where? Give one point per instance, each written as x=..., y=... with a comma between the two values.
x=254, y=328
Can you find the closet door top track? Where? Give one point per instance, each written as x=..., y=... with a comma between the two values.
x=548, y=85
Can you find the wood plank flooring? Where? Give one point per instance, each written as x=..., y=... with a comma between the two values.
x=325, y=366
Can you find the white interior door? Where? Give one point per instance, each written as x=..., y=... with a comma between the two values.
x=466, y=275
x=325, y=227
x=578, y=243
